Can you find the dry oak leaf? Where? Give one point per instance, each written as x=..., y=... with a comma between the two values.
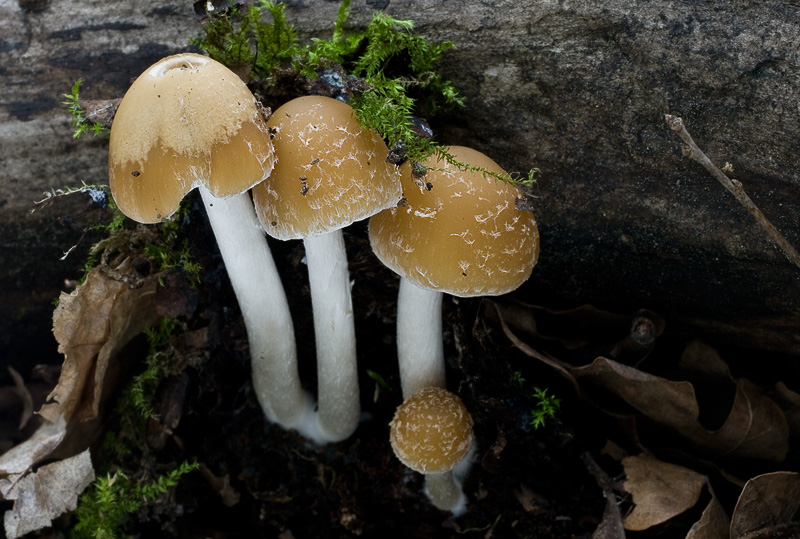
x=660, y=490
x=755, y=427
x=573, y=328
x=18, y=460
x=766, y=507
x=91, y=325
x=713, y=524
x=51, y=491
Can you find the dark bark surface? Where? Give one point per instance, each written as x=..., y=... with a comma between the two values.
x=577, y=89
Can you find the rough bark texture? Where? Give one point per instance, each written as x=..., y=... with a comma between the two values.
x=578, y=89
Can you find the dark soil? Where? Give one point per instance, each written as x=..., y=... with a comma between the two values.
x=525, y=482
x=257, y=480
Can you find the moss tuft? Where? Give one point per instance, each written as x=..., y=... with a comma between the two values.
x=385, y=71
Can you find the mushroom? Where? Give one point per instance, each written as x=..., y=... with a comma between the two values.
x=330, y=173
x=461, y=232
x=431, y=433
x=188, y=122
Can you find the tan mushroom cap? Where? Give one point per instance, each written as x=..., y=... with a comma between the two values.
x=186, y=121
x=466, y=236
x=330, y=172
x=431, y=431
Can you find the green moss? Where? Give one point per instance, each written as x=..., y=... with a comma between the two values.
x=396, y=70
x=170, y=254
x=547, y=407
x=238, y=37
x=79, y=121
x=140, y=394
x=102, y=510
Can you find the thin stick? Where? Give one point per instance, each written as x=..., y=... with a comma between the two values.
x=734, y=186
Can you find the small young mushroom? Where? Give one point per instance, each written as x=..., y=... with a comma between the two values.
x=330, y=173
x=460, y=232
x=188, y=122
x=431, y=433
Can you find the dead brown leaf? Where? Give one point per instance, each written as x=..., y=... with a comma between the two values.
x=610, y=526
x=767, y=506
x=699, y=357
x=713, y=523
x=755, y=427
x=51, y=491
x=660, y=490
x=530, y=501
x=92, y=325
x=593, y=331
x=20, y=459
x=790, y=404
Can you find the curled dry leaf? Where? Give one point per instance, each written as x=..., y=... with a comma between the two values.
x=754, y=428
x=585, y=329
x=660, y=490
x=91, y=326
x=766, y=507
x=18, y=460
x=699, y=357
x=713, y=524
x=790, y=404
x=51, y=491
x=170, y=411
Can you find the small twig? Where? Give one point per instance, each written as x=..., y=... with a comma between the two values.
x=734, y=186
x=560, y=367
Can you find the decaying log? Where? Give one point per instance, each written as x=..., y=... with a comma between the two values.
x=578, y=89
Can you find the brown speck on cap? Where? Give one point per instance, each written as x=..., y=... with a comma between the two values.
x=431, y=431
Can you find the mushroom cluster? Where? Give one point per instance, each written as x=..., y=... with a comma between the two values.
x=189, y=122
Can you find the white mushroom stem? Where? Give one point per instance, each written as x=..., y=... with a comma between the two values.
x=420, y=352
x=444, y=489
x=420, y=356
x=334, y=330
x=265, y=311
